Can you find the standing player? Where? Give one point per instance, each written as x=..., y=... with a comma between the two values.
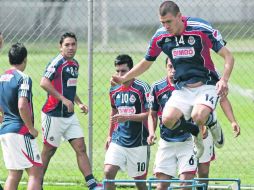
x=126, y=145
x=17, y=132
x=58, y=118
x=187, y=42
x=209, y=155
x=175, y=151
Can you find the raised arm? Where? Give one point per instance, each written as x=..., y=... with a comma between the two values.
x=137, y=70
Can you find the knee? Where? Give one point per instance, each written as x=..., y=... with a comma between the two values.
x=198, y=119
x=168, y=120
x=162, y=186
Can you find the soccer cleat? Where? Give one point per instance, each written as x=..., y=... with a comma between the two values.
x=217, y=133
x=198, y=145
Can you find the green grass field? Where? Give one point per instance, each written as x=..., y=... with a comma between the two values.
x=235, y=160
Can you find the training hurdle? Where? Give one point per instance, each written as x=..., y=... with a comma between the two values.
x=193, y=183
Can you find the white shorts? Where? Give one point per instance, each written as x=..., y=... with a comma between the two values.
x=208, y=154
x=175, y=156
x=56, y=128
x=186, y=98
x=20, y=152
x=133, y=160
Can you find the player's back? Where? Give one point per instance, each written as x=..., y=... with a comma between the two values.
x=12, y=84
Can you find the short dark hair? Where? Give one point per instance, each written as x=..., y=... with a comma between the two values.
x=67, y=35
x=124, y=59
x=169, y=7
x=17, y=54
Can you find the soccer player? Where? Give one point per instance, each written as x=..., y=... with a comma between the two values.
x=17, y=132
x=58, y=117
x=127, y=148
x=209, y=155
x=175, y=151
x=187, y=42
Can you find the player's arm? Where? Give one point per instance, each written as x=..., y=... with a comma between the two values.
x=137, y=70
x=82, y=106
x=152, y=124
x=130, y=117
x=228, y=111
x=222, y=85
x=111, y=126
x=47, y=86
x=25, y=115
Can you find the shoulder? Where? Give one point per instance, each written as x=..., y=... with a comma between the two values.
x=56, y=61
x=114, y=88
x=160, y=84
x=198, y=24
x=23, y=76
x=141, y=84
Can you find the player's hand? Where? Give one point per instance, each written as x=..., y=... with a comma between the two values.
x=151, y=139
x=119, y=118
x=84, y=108
x=116, y=80
x=33, y=132
x=222, y=88
x=69, y=105
x=107, y=142
x=236, y=129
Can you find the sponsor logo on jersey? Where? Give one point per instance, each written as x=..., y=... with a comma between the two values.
x=191, y=40
x=6, y=78
x=183, y=52
x=72, y=82
x=132, y=99
x=126, y=110
x=24, y=86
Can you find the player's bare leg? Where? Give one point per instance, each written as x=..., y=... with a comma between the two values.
x=199, y=115
x=141, y=185
x=47, y=153
x=13, y=179
x=203, y=171
x=186, y=176
x=163, y=185
x=83, y=162
x=170, y=116
x=110, y=172
x=35, y=177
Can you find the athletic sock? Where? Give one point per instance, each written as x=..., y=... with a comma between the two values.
x=211, y=121
x=188, y=126
x=90, y=181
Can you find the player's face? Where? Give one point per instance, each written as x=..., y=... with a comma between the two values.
x=173, y=24
x=68, y=48
x=170, y=70
x=122, y=69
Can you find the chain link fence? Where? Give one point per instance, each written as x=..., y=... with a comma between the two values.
x=126, y=27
